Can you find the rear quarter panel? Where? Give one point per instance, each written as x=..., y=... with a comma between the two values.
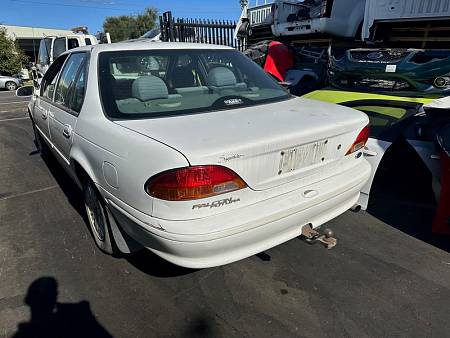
x=134, y=157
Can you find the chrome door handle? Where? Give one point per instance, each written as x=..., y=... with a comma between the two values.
x=67, y=131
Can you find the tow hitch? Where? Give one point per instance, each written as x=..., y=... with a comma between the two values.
x=311, y=236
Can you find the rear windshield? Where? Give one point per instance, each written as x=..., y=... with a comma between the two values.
x=143, y=84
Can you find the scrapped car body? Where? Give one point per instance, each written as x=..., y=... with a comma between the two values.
x=406, y=21
x=193, y=152
x=387, y=70
x=288, y=18
x=392, y=118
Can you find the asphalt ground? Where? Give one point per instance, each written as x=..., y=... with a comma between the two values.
x=387, y=277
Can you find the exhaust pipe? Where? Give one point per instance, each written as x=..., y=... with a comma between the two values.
x=355, y=208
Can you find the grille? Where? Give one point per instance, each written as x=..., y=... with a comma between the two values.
x=374, y=84
x=381, y=56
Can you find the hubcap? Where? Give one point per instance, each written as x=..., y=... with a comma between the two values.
x=95, y=214
x=10, y=86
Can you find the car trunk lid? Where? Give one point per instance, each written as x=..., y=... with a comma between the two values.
x=267, y=145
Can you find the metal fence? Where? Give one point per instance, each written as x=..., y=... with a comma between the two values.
x=218, y=32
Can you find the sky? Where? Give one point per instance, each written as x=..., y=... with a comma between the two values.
x=66, y=14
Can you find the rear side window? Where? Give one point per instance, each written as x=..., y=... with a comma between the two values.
x=79, y=89
x=67, y=81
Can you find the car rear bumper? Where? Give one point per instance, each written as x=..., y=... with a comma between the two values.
x=272, y=222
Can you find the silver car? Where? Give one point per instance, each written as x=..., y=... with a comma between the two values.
x=9, y=82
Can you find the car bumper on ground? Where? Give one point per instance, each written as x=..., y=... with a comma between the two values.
x=256, y=228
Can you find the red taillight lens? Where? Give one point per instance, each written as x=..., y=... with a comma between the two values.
x=192, y=183
x=361, y=140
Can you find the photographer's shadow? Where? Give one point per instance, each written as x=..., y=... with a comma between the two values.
x=52, y=319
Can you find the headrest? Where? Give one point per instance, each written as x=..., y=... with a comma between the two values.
x=146, y=88
x=221, y=77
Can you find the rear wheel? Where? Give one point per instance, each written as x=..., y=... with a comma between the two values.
x=97, y=217
x=10, y=85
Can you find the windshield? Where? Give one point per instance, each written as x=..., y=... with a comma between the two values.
x=142, y=84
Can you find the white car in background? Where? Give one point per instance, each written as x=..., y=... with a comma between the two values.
x=197, y=154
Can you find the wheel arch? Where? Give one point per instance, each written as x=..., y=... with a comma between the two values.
x=82, y=169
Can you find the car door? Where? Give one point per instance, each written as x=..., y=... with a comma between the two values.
x=43, y=101
x=388, y=120
x=422, y=136
x=68, y=99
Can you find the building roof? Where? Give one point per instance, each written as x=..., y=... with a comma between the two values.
x=25, y=32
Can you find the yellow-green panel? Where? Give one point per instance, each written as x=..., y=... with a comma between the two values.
x=397, y=113
x=339, y=96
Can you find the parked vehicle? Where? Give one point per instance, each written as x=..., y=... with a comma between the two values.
x=287, y=18
x=52, y=46
x=407, y=23
x=396, y=123
x=392, y=70
x=10, y=82
x=197, y=155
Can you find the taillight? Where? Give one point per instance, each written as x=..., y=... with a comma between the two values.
x=360, y=141
x=191, y=183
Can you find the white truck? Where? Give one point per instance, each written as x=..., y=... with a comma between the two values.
x=288, y=18
x=412, y=23
x=53, y=46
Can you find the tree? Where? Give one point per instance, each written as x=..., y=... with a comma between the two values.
x=11, y=56
x=126, y=27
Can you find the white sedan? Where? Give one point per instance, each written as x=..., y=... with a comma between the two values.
x=193, y=152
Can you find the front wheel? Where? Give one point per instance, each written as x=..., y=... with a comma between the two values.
x=10, y=85
x=98, y=218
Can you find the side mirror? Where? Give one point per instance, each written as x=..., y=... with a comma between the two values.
x=25, y=91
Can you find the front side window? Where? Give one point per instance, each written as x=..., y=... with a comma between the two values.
x=44, y=51
x=141, y=84
x=72, y=43
x=59, y=47
x=67, y=79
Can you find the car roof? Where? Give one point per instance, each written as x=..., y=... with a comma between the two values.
x=142, y=44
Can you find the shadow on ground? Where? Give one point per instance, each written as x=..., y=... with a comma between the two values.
x=51, y=319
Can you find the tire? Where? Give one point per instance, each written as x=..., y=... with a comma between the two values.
x=97, y=218
x=10, y=85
